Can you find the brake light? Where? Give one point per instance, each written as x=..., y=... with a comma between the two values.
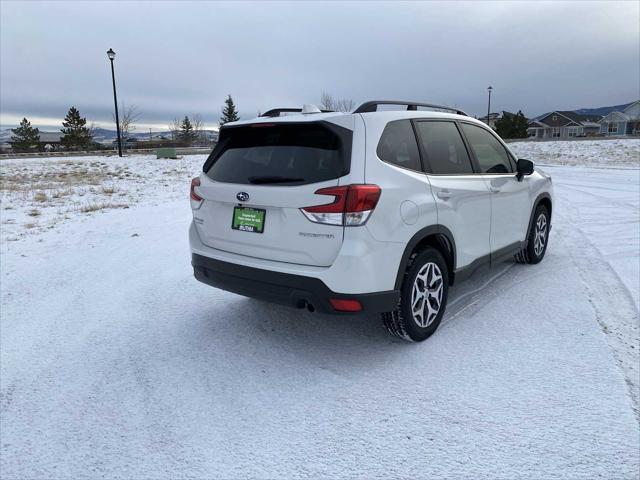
x=351, y=206
x=345, y=305
x=196, y=200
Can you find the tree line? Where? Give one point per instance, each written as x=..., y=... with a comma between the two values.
x=77, y=135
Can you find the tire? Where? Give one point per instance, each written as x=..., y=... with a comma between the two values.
x=538, y=238
x=430, y=266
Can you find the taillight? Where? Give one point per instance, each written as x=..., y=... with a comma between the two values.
x=351, y=207
x=196, y=200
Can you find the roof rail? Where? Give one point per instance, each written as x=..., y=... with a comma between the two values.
x=275, y=112
x=372, y=106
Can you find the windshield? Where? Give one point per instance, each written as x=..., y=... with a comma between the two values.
x=280, y=154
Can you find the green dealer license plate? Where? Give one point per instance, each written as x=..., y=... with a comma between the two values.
x=248, y=219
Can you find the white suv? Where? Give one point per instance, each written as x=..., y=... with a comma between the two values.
x=369, y=211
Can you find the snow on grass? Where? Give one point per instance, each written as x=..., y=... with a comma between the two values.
x=38, y=194
x=597, y=152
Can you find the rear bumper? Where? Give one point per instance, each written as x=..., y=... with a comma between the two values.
x=288, y=289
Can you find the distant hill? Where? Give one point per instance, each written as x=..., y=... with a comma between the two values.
x=602, y=111
x=104, y=135
x=598, y=111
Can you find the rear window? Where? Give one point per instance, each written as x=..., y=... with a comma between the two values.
x=280, y=154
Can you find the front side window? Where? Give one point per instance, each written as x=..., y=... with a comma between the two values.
x=398, y=145
x=444, y=149
x=491, y=155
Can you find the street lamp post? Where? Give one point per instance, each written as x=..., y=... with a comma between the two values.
x=111, y=54
x=488, y=106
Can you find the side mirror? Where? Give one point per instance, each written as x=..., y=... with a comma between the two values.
x=525, y=167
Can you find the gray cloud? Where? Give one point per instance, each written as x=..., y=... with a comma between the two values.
x=178, y=58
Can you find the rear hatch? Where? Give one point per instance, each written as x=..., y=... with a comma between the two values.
x=257, y=179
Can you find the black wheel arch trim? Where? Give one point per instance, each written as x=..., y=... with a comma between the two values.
x=539, y=198
x=419, y=236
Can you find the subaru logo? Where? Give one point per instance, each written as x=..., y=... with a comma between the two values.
x=242, y=196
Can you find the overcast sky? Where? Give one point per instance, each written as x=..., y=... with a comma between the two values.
x=177, y=58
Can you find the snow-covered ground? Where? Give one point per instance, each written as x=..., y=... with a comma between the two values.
x=39, y=194
x=115, y=362
x=624, y=152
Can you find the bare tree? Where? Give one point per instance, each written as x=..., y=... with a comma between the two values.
x=128, y=118
x=326, y=101
x=346, y=105
x=198, y=127
x=92, y=131
x=174, y=128
x=329, y=102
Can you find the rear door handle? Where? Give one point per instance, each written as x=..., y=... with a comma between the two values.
x=494, y=189
x=444, y=194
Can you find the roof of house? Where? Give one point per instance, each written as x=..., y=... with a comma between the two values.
x=582, y=120
x=50, y=137
x=615, y=116
x=631, y=105
x=496, y=115
x=47, y=137
x=578, y=118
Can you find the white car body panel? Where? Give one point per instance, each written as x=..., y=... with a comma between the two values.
x=483, y=213
x=348, y=273
x=288, y=236
x=464, y=208
x=509, y=198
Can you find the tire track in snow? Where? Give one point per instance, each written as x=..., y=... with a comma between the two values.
x=600, y=197
x=612, y=302
x=478, y=297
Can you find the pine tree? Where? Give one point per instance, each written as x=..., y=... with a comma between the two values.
x=520, y=124
x=512, y=126
x=229, y=112
x=75, y=134
x=504, y=126
x=25, y=137
x=186, y=134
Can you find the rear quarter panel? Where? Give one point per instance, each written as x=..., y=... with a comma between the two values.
x=406, y=203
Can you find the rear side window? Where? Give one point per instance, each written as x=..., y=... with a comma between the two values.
x=398, y=145
x=490, y=153
x=280, y=154
x=443, y=147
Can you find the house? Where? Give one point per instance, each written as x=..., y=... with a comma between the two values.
x=50, y=141
x=47, y=141
x=626, y=122
x=495, y=116
x=561, y=125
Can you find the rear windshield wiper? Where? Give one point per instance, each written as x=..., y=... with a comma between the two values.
x=273, y=179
